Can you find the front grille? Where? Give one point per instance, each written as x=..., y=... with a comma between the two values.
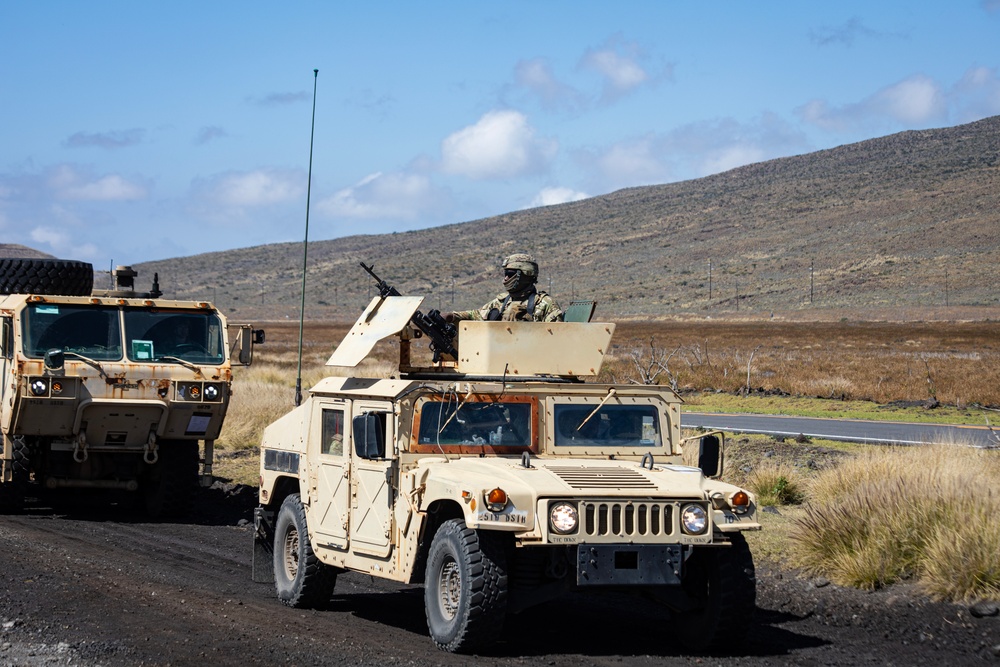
x=627, y=519
x=602, y=477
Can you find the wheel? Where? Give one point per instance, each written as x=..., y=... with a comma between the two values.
x=722, y=585
x=465, y=589
x=170, y=485
x=300, y=578
x=12, y=493
x=46, y=276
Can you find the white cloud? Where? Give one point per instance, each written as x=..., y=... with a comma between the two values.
x=252, y=189
x=634, y=162
x=553, y=196
x=536, y=76
x=915, y=101
x=61, y=243
x=620, y=74
x=619, y=64
x=398, y=195
x=500, y=145
x=70, y=182
x=690, y=151
x=107, y=188
x=976, y=95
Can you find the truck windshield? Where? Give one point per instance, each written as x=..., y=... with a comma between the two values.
x=610, y=426
x=475, y=423
x=164, y=336
x=91, y=331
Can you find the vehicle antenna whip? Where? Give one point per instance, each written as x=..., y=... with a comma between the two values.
x=305, y=244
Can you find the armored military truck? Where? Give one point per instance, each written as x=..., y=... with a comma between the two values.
x=498, y=479
x=109, y=389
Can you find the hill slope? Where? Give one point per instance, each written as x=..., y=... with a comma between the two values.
x=911, y=219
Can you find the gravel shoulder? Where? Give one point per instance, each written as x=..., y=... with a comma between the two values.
x=100, y=586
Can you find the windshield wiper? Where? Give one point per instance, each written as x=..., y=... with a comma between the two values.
x=54, y=359
x=183, y=362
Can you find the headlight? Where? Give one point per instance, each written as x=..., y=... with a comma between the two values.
x=39, y=387
x=694, y=519
x=211, y=392
x=563, y=518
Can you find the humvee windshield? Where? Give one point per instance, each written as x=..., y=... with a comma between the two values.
x=608, y=426
x=96, y=333
x=496, y=424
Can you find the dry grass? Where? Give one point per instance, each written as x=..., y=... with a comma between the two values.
x=928, y=514
x=875, y=361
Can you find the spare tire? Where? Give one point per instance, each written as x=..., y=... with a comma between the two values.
x=46, y=276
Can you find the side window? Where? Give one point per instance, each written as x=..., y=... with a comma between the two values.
x=333, y=432
x=6, y=342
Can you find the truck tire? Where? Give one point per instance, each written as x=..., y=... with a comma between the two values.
x=170, y=485
x=721, y=583
x=300, y=578
x=46, y=276
x=12, y=493
x=465, y=589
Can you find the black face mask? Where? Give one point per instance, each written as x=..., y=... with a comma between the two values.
x=517, y=282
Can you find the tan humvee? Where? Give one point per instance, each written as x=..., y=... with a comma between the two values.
x=110, y=390
x=500, y=480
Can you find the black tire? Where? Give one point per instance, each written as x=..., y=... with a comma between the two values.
x=722, y=584
x=301, y=579
x=465, y=588
x=170, y=486
x=12, y=493
x=46, y=276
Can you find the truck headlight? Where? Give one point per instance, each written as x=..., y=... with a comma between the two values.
x=694, y=519
x=563, y=518
x=39, y=387
x=211, y=392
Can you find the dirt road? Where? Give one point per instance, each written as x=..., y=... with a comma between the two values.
x=96, y=586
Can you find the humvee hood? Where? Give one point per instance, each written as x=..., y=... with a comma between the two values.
x=576, y=477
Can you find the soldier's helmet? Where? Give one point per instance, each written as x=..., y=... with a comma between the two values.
x=523, y=262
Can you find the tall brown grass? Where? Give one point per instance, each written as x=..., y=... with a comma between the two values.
x=926, y=514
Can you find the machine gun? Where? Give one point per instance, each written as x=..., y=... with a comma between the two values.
x=441, y=332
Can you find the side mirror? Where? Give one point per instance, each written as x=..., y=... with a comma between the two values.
x=710, y=455
x=242, y=349
x=54, y=359
x=369, y=436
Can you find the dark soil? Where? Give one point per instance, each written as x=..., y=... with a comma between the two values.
x=100, y=586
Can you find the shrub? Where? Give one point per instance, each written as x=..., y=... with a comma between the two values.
x=924, y=513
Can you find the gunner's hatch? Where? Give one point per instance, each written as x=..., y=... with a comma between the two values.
x=500, y=349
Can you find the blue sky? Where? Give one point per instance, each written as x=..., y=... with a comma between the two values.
x=133, y=131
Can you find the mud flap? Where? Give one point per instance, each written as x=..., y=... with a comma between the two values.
x=262, y=563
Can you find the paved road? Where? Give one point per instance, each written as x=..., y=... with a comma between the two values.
x=850, y=430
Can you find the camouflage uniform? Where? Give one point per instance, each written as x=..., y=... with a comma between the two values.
x=522, y=300
x=546, y=309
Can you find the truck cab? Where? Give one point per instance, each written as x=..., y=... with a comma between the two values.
x=114, y=389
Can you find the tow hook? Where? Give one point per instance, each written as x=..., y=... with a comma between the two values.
x=80, y=448
x=150, y=454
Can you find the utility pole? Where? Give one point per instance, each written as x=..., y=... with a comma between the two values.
x=709, y=278
x=946, y=287
x=811, y=261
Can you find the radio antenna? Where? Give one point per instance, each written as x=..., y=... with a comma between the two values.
x=305, y=244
